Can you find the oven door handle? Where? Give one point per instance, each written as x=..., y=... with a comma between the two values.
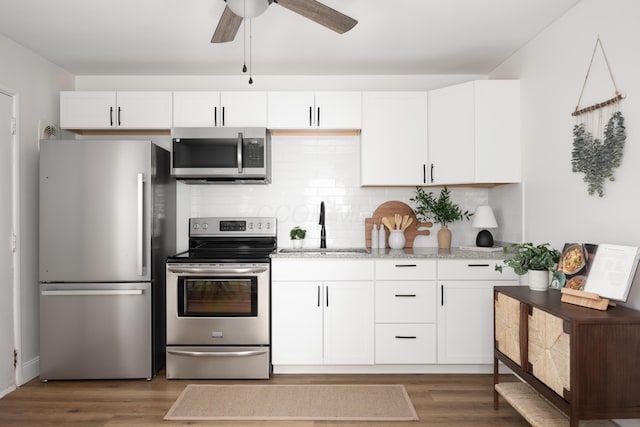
x=246, y=353
x=209, y=270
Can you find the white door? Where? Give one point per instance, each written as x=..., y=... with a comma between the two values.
x=348, y=323
x=296, y=323
x=7, y=371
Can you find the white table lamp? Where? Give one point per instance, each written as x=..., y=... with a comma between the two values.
x=484, y=218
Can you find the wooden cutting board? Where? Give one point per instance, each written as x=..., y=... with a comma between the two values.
x=389, y=209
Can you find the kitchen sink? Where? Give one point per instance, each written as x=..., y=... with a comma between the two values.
x=324, y=251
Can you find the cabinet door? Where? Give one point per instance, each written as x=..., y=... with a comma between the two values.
x=296, y=323
x=465, y=322
x=348, y=323
x=87, y=110
x=549, y=350
x=290, y=110
x=338, y=110
x=145, y=110
x=451, y=135
x=243, y=109
x=196, y=109
x=394, y=138
x=507, y=327
x=497, y=131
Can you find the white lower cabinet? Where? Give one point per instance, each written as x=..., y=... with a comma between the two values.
x=405, y=311
x=384, y=315
x=322, y=312
x=465, y=309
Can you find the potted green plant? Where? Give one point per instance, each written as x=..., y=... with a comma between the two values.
x=297, y=235
x=439, y=209
x=536, y=260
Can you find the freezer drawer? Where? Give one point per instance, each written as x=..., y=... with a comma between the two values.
x=214, y=362
x=95, y=331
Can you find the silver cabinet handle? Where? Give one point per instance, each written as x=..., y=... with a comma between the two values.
x=97, y=292
x=213, y=270
x=140, y=224
x=405, y=337
x=405, y=265
x=405, y=295
x=217, y=353
x=215, y=116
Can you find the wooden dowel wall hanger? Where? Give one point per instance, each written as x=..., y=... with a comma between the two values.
x=618, y=95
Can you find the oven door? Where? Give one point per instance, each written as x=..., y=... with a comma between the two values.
x=218, y=304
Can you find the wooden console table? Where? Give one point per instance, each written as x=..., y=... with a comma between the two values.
x=583, y=361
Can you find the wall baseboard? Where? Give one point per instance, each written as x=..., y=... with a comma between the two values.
x=30, y=370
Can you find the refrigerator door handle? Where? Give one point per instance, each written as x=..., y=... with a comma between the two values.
x=97, y=292
x=140, y=224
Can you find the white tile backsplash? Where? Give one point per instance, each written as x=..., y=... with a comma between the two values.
x=305, y=171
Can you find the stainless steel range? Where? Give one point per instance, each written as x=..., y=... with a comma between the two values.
x=218, y=300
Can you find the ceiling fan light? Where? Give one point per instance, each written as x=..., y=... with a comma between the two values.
x=248, y=8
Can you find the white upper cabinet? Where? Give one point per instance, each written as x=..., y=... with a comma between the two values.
x=216, y=109
x=115, y=110
x=394, y=138
x=474, y=133
x=314, y=110
x=451, y=135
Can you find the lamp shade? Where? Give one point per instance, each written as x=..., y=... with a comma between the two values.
x=484, y=218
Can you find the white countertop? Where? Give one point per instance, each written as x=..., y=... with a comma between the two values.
x=427, y=252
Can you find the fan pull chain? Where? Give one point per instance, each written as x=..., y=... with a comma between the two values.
x=250, y=51
x=244, y=46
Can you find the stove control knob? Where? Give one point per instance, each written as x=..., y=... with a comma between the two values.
x=205, y=225
x=196, y=226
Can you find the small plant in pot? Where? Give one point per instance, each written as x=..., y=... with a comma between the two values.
x=297, y=235
x=439, y=209
x=537, y=260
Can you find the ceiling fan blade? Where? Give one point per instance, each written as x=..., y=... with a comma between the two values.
x=227, y=27
x=318, y=12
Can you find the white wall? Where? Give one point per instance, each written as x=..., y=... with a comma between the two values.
x=552, y=69
x=37, y=83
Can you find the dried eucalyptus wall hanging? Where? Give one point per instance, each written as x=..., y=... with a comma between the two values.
x=597, y=156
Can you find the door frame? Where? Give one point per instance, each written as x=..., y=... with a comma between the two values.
x=15, y=192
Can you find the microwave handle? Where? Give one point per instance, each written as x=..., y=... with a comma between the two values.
x=239, y=153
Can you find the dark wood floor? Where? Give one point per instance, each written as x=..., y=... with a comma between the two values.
x=440, y=400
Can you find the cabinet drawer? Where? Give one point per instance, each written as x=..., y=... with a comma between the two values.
x=405, y=302
x=473, y=269
x=405, y=269
x=321, y=270
x=405, y=343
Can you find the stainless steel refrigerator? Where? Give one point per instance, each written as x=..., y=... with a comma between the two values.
x=107, y=224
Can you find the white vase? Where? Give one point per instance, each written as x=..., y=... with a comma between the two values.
x=538, y=280
x=396, y=239
x=297, y=243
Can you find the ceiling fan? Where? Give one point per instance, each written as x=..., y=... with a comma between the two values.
x=237, y=10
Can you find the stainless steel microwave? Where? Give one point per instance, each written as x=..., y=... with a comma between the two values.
x=221, y=155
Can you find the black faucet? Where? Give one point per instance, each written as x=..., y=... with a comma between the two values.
x=323, y=231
